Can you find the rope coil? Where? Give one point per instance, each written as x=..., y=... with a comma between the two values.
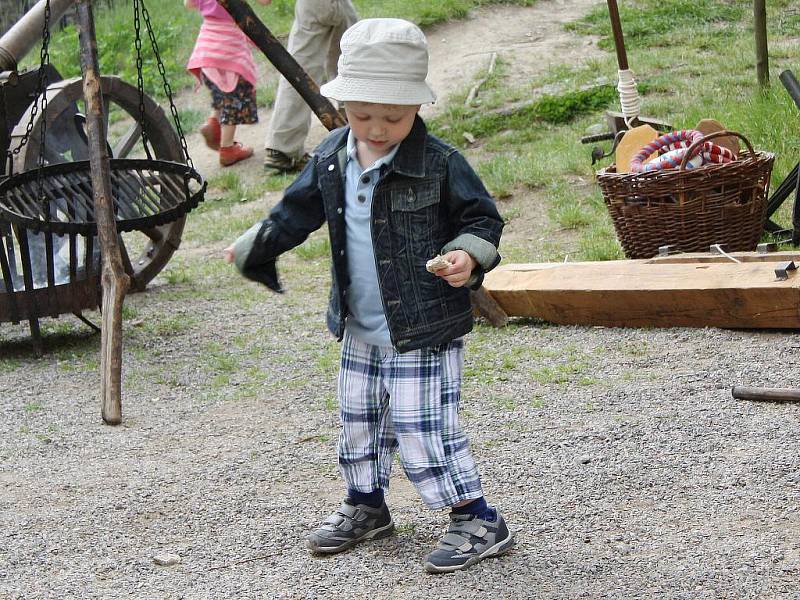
x=628, y=95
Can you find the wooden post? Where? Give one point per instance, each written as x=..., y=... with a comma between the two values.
x=762, y=55
x=114, y=280
x=616, y=30
x=262, y=37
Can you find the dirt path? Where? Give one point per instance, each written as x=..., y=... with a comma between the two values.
x=530, y=40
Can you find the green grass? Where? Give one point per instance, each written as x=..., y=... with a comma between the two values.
x=692, y=60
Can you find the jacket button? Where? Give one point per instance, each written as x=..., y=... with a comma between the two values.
x=341, y=252
x=365, y=179
x=331, y=167
x=362, y=198
x=339, y=210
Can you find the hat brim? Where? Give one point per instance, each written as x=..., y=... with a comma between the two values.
x=378, y=91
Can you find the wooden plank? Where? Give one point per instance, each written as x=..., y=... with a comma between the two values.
x=688, y=257
x=637, y=294
x=695, y=257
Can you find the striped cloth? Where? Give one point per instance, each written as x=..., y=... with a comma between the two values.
x=408, y=402
x=223, y=54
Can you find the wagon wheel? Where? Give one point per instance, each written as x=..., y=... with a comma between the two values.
x=144, y=252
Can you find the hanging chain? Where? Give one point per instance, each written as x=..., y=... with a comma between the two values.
x=139, y=77
x=41, y=96
x=167, y=88
x=44, y=60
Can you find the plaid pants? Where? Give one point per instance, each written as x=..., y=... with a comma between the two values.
x=390, y=401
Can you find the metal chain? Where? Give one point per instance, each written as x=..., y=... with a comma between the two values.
x=41, y=96
x=167, y=88
x=139, y=77
x=44, y=60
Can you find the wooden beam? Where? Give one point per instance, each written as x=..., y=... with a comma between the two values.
x=641, y=294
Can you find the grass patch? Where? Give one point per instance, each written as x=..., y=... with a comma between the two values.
x=647, y=24
x=314, y=248
x=549, y=109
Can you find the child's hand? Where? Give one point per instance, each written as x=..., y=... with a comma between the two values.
x=458, y=274
x=265, y=2
x=228, y=254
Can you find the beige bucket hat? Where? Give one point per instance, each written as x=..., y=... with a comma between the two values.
x=384, y=61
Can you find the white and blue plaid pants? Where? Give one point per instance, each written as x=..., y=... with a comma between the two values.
x=390, y=401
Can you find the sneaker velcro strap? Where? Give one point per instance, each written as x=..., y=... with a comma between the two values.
x=470, y=527
x=347, y=510
x=335, y=520
x=453, y=541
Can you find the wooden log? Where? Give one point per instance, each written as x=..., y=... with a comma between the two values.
x=766, y=394
x=641, y=294
x=488, y=308
x=114, y=280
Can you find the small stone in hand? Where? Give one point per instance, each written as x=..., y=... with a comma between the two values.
x=437, y=263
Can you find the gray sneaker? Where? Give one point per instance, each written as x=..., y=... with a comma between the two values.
x=469, y=540
x=351, y=524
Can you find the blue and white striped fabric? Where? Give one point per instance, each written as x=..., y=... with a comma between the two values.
x=390, y=401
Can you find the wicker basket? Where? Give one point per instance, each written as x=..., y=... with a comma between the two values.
x=690, y=209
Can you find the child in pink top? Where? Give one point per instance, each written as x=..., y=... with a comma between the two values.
x=222, y=60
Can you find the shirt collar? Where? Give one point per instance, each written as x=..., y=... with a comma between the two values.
x=352, y=154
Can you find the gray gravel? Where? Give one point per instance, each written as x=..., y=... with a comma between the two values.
x=640, y=476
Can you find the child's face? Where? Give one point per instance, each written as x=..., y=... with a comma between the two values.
x=380, y=127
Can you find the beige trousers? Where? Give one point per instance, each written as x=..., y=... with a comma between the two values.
x=314, y=43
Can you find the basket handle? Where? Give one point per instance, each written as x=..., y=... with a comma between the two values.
x=695, y=147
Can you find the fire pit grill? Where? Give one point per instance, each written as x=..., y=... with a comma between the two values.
x=146, y=193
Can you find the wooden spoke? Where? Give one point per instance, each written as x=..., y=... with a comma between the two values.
x=126, y=143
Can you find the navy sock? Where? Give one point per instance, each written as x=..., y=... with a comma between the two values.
x=374, y=499
x=478, y=508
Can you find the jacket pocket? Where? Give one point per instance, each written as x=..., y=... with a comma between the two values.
x=415, y=197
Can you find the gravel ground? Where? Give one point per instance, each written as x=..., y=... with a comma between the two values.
x=638, y=477
x=617, y=455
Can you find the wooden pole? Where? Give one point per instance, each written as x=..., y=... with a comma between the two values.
x=766, y=394
x=619, y=40
x=762, y=55
x=114, y=280
x=262, y=37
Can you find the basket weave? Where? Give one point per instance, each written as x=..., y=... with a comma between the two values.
x=690, y=209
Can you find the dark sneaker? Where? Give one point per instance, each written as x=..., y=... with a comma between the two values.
x=469, y=540
x=276, y=161
x=351, y=524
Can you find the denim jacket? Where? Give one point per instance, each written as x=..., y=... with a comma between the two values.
x=428, y=201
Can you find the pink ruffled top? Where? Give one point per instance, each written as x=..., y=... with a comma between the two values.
x=222, y=52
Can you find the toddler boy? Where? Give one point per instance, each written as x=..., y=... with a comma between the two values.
x=393, y=197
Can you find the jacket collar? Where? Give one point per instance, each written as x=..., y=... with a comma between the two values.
x=410, y=157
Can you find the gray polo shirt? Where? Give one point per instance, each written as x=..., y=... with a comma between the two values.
x=366, y=319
